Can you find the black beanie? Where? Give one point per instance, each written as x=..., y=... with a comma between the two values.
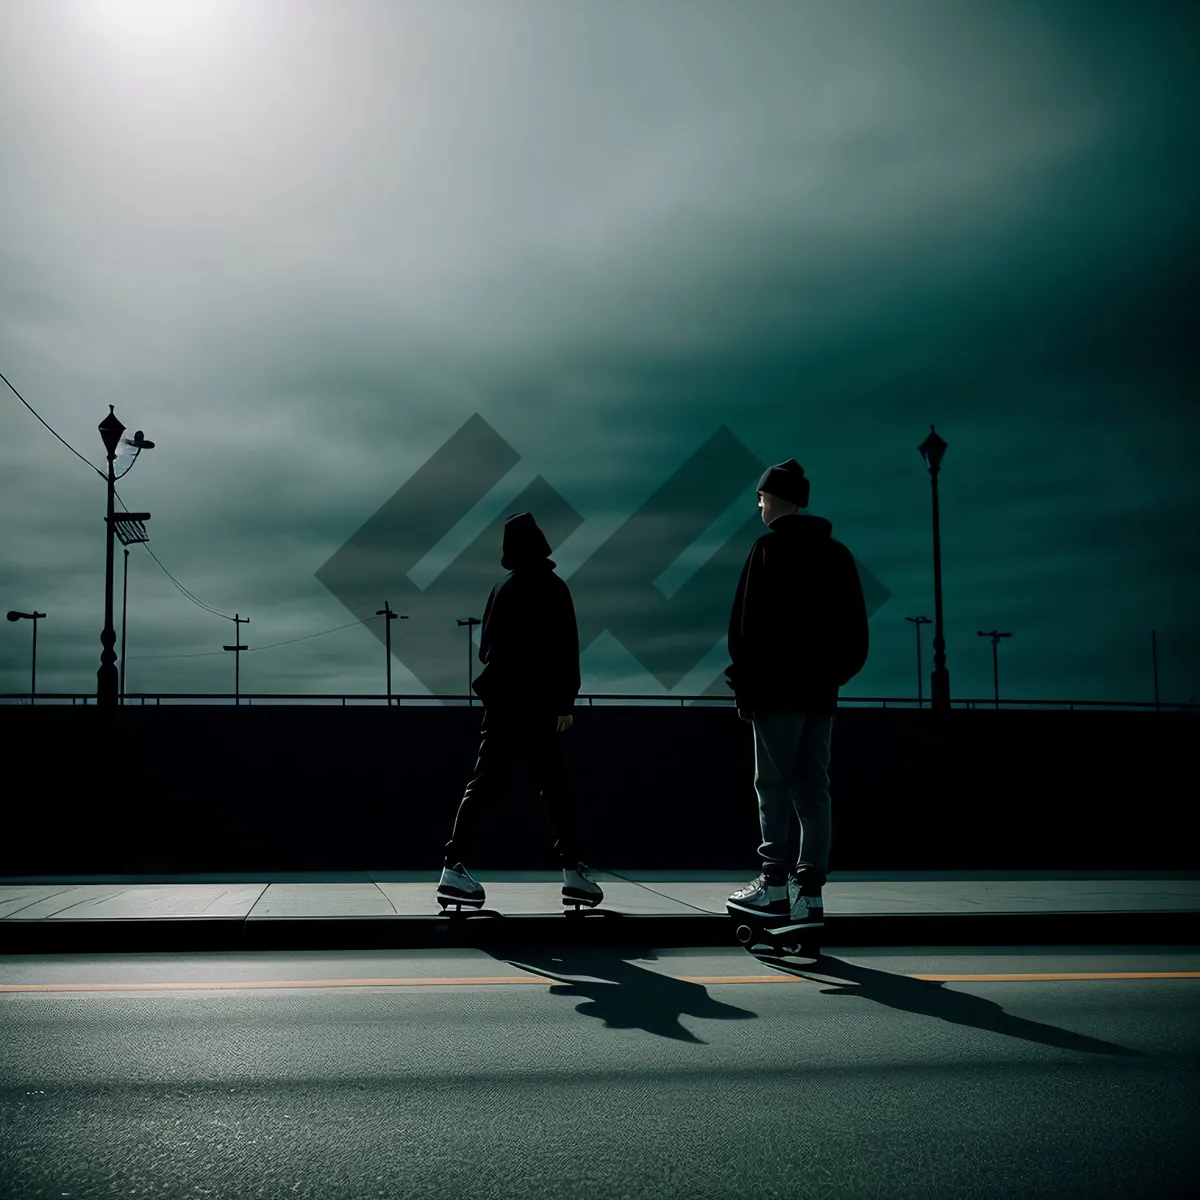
x=524, y=542
x=786, y=480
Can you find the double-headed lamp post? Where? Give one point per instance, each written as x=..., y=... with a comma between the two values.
x=35, y=617
x=932, y=449
x=107, y=682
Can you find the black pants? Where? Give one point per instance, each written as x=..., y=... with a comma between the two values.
x=504, y=737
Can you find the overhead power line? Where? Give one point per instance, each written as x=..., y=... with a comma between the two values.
x=270, y=646
x=182, y=590
x=102, y=475
x=305, y=637
x=194, y=599
x=61, y=439
x=197, y=654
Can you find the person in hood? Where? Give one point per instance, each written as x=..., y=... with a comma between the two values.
x=529, y=645
x=797, y=633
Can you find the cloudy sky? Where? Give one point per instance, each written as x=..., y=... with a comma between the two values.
x=389, y=270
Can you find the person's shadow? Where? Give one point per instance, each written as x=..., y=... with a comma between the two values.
x=931, y=999
x=622, y=994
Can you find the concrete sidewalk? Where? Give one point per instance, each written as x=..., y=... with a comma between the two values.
x=355, y=910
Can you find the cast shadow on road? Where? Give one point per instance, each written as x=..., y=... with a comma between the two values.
x=932, y=999
x=620, y=993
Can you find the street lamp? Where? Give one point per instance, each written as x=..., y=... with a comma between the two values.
x=237, y=649
x=469, y=622
x=35, y=617
x=932, y=449
x=388, y=618
x=995, y=660
x=106, y=677
x=131, y=529
x=918, y=622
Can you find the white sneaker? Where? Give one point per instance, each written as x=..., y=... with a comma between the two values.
x=761, y=898
x=457, y=887
x=808, y=906
x=578, y=888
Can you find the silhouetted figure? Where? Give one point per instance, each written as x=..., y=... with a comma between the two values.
x=529, y=645
x=797, y=633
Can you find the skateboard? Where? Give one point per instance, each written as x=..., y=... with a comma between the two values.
x=778, y=936
x=464, y=910
x=580, y=910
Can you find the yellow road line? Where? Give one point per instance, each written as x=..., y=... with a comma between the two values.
x=199, y=986
x=1060, y=975
x=508, y=980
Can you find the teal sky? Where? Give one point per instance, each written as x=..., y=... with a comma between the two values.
x=302, y=244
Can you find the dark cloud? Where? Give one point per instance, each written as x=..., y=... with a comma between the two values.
x=302, y=251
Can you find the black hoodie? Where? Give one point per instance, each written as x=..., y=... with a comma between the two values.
x=798, y=630
x=529, y=639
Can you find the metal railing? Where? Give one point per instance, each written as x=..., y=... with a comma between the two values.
x=587, y=699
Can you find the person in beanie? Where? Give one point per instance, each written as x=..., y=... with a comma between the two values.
x=529, y=645
x=797, y=633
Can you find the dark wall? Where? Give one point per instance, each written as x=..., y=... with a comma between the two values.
x=273, y=788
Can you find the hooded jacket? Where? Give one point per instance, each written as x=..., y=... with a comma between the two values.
x=528, y=639
x=798, y=629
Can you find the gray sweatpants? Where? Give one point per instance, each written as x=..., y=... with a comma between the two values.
x=791, y=772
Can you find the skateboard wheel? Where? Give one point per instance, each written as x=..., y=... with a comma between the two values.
x=744, y=934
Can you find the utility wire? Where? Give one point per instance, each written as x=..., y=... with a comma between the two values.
x=103, y=476
x=306, y=636
x=270, y=646
x=63, y=440
x=198, y=654
x=184, y=591
x=207, y=607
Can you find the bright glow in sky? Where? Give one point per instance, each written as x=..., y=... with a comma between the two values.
x=300, y=244
x=156, y=24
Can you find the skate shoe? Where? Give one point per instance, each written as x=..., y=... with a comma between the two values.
x=457, y=887
x=578, y=888
x=808, y=907
x=761, y=898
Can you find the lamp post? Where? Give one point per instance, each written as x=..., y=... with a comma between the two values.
x=932, y=449
x=107, y=684
x=388, y=618
x=918, y=622
x=35, y=617
x=995, y=660
x=106, y=677
x=130, y=528
x=469, y=622
x=237, y=649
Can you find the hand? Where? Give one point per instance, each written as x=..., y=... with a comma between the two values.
x=745, y=714
x=564, y=723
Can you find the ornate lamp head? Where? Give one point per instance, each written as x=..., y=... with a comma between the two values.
x=932, y=449
x=111, y=430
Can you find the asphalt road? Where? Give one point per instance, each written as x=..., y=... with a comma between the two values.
x=665, y=1073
